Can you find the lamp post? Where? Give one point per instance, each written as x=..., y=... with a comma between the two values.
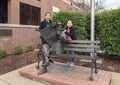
x=92, y=5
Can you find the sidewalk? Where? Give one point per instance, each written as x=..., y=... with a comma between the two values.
x=14, y=78
x=115, y=80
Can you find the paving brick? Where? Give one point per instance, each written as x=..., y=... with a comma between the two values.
x=58, y=74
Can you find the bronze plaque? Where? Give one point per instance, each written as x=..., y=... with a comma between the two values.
x=5, y=32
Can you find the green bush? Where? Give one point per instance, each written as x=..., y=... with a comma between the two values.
x=18, y=50
x=29, y=48
x=3, y=53
x=108, y=31
x=39, y=45
x=79, y=20
x=107, y=28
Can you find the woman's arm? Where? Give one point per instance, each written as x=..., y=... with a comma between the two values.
x=71, y=33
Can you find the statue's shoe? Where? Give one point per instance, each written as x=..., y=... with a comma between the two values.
x=46, y=64
x=51, y=61
x=43, y=70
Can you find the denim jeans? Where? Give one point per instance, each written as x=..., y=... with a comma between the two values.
x=68, y=58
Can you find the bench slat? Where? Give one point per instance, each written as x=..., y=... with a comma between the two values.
x=76, y=56
x=84, y=41
x=79, y=50
x=81, y=46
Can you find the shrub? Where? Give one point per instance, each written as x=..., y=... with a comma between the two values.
x=79, y=20
x=39, y=45
x=107, y=28
x=108, y=31
x=3, y=53
x=18, y=50
x=29, y=48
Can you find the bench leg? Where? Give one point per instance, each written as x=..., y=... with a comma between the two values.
x=38, y=60
x=92, y=67
x=96, y=68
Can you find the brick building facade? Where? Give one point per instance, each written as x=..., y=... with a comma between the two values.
x=30, y=12
x=20, y=17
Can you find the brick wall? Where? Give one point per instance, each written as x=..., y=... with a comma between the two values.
x=61, y=4
x=21, y=36
x=45, y=5
x=25, y=35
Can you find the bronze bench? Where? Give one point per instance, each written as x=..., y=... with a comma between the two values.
x=83, y=49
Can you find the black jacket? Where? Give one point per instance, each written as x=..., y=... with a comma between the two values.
x=44, y=24
x=72, y=33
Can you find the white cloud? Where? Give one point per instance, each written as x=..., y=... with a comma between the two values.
x=112, y=4
x=109, y=4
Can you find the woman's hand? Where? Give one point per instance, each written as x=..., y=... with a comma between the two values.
x=64, y=31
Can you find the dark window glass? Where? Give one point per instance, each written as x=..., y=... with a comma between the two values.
x=3, y=11
x=29, y=15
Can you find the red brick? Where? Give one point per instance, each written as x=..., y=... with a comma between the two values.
x=20, y=37
x=45, y=5
x=61, y=77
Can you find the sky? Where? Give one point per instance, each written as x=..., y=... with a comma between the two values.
x=110, y=4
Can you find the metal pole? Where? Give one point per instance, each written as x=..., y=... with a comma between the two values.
x=92, y=3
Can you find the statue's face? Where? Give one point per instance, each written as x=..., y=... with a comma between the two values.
x=69, y=23
x=59, y=27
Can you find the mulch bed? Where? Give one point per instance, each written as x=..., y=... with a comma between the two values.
x=13, y=62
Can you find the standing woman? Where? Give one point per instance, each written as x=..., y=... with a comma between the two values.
x=45, y=23
x=70, y=35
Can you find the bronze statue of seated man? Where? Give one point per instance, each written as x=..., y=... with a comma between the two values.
x=54, y=38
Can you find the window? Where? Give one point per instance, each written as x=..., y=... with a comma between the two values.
x=55, y=9
x=3, y=11
x=29, y=15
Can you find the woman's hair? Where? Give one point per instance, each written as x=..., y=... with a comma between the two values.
x=47, y=13
x=70, y=21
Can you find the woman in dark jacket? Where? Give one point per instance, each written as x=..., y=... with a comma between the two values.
x=45, y=23
x=70, y=35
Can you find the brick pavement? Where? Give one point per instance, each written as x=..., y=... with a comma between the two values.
x=58, y=74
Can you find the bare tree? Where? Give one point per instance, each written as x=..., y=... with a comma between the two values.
x=99, y=5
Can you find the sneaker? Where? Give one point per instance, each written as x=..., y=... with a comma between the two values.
x=67, y=63
x=71, y=64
